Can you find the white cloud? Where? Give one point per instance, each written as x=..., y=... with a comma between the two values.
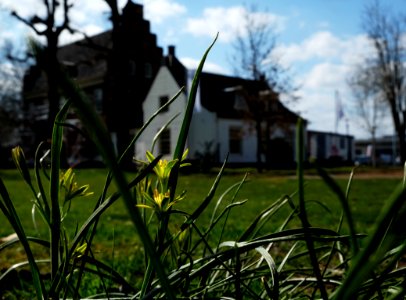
x=25, y=8
x=317, y=103
x=325, y=45
x=326, y=76
x=192, y=64
x=229, y=22
x=90, y=30
x=326, y=61
x=320, y=45
x=86, y=12
x=158, y=11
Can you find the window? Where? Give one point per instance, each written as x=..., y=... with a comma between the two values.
x=165, y=142
x=162, y=101
x=235, y=140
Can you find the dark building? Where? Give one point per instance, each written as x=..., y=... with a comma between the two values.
x=115, y=69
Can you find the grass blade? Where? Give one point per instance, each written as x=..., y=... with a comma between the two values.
x=163, y=128
x=8, y=209
x=56, y=147
x=195, y=215
x=261, y=218
x=302, y=208
x=180, y=146
x=42, y=195
x=377, y=246
x=344, y=203
x=272, y=268
x=146, y=124
x=102, y=141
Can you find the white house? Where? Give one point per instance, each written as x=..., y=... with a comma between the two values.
x=222, y=121
x=207, y=132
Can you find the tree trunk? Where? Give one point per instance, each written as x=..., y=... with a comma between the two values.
x=268, y=149
x=373, y=153
x=402, y=145
x=51, y=65
x=259, y=144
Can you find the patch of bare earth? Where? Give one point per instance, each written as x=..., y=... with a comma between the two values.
x=378, y=173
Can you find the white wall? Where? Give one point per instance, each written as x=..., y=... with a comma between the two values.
x=164, y=84
x=205, y=126
x=203, y=130
x=249, y=141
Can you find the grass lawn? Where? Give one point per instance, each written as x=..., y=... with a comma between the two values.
x=116, y=238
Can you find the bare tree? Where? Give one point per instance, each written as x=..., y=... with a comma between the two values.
x=370, y=104
x=254, y=52
x=49, y=28
x=386, y=69
x=255, y=58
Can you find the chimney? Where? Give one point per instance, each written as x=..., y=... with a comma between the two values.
x=171, y=55
x=171, y=50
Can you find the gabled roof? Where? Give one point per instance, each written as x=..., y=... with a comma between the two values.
x=218, y=93
x=84, y=59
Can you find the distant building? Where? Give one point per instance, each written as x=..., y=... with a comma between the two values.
x=330, y=148
x=386, y=149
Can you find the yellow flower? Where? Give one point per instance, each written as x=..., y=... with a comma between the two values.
x=72, y=190
x=164, y=167
x=17, y=154
x=159, y=198
x=160, y=201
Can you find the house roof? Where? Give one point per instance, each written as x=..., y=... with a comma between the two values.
x=84, y=59
x=218, y=93
x=221, y=94
x=87, y=55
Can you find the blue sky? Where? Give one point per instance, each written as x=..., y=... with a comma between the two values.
x=320, y=41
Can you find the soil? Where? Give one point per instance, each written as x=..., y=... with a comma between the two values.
x=375, y=173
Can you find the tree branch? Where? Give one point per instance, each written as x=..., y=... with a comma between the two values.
x=26, y=22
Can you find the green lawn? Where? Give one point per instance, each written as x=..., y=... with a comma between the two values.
x=117, y=236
